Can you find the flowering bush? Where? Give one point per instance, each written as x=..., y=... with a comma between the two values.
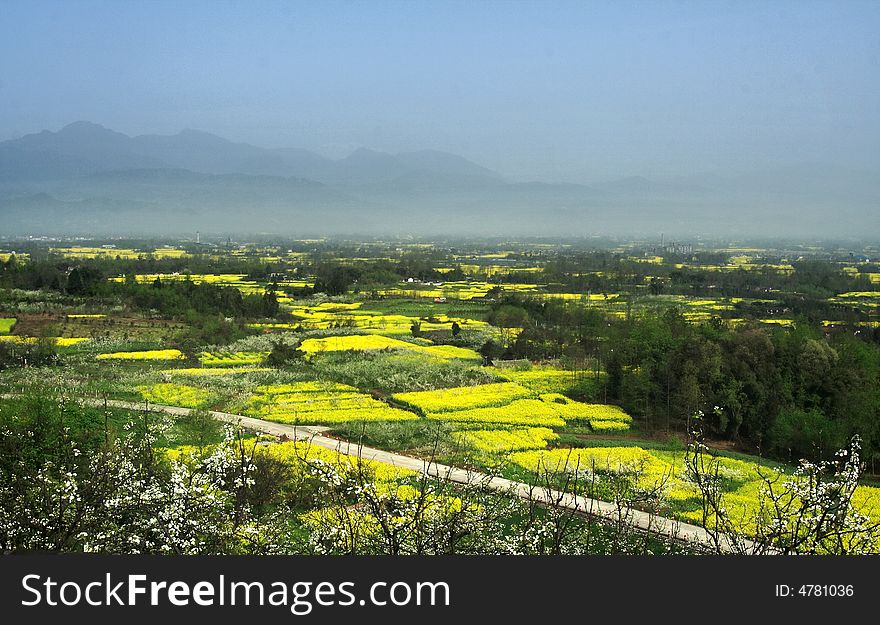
x=819, y=508
x=117, y=499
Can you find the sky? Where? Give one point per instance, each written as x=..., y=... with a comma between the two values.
x=555, y=91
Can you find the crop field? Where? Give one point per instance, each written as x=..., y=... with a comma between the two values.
x=500, y=441
x=175, y=395
x=5, y=257
x=82, y=253
x=547, y=379
x=321, y=404
x=212, y=371
x=33, y=340
x=664, y=472
x=149, y=354
x=350, y=317
x=510, y=404
x=104, y=327
x=231, y=359
x=367, y=342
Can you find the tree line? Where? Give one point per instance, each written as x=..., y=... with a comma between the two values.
x=799, y=392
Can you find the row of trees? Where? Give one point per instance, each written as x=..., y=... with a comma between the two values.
x=171, y=299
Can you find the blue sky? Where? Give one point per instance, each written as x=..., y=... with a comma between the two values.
x=578, y=91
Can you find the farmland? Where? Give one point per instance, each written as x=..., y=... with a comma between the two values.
x=600, y=369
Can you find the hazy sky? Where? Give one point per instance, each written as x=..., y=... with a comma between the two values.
x=552, y=90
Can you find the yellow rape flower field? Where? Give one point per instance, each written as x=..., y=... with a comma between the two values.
x=371, y=342
x=653, y=469
x=499, y=441
x=315, y=403
x=150, y=354
x=59, y=341
x=512, y=404
x=169, y=394
x=543, y=379
x=298, y=453
x=522, y=412
x=463, y=397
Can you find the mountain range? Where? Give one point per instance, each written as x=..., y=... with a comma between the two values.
x=88, y=179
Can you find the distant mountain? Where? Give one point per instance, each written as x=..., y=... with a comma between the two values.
x=83, y=147
x=76, y=149
x=86, y=178
x=443, y=163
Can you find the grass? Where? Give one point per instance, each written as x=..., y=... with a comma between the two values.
x=423, y=308
x=6, y=324
x=97, y=424
x=390, y=372
x=420, y=438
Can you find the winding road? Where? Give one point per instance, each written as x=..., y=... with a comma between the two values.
x=678, y=531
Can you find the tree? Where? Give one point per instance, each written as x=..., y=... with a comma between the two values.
x=805, y=434
x=507, y=317
x=270, y=304
x=84, y=280
x=283, y=354
x=812, y=511
x=489, y=351
x=614, y=376
x=334, y=279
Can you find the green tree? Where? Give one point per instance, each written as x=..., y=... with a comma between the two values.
x=489, y=351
